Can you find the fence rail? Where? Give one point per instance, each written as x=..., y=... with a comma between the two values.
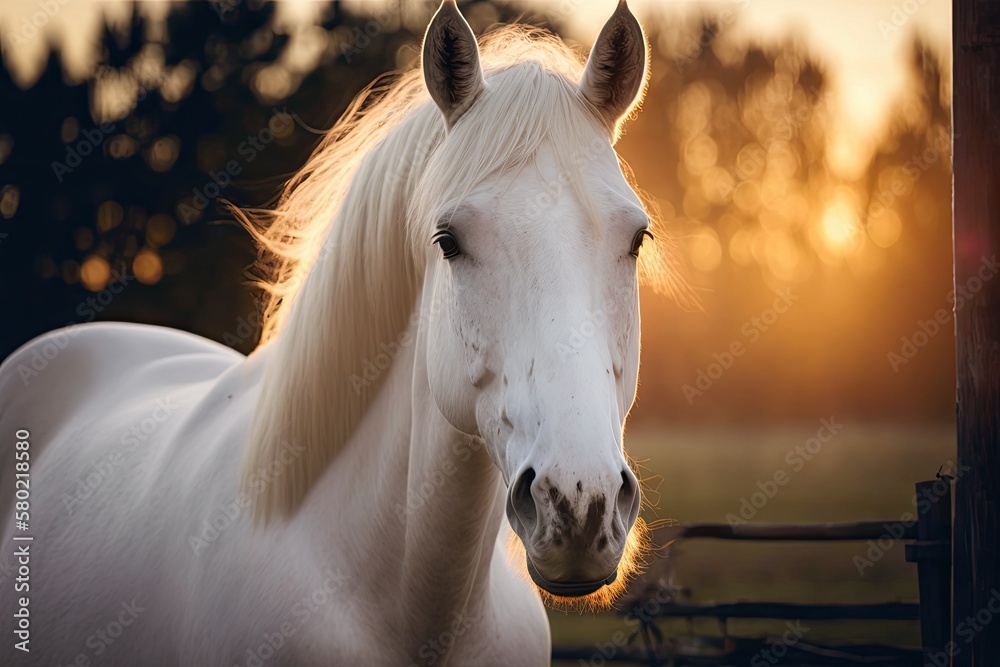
x=885, y=611
x=789, y=532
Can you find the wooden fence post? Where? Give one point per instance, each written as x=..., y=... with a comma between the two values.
x=932, y=554
x=976, y=163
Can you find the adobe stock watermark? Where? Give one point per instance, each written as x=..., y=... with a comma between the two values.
x=105, y=467
x=914, y=168
x=649, y=609
x=579, y=335
x=899, y=15
x=695, y=47
x=796, y=459
x=777, y=650
x=93, y=138
x=927, y=329
x=751, y=330
x=751, y=162
x=361, y=36
x=562, y=9
x=246, y=328
x=553, y=189
x=88, y=310
x=372, y=368
x=405, y=164
x=642, y=614
x=32, y=25
x=103, y=637
x=228, y=513
x=433, y=650
x=249, y=149
x=895, y=530
x=418, y=496
x=967, y=630
x=300, y=614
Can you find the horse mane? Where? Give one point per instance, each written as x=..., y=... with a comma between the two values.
x=341, y=255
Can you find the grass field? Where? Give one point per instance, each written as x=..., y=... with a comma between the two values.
x=863, y=472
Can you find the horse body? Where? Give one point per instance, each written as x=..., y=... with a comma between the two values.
x=163, y=433
x=455, y=344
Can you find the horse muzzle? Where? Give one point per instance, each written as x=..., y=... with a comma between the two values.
x=568, y=589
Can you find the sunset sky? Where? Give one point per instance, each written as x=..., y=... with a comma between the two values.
x=862, y=41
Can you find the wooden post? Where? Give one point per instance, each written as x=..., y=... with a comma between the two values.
x=976, y=162
x=932, y=554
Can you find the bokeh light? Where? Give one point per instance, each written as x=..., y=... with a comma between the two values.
x=841, y=230
x=160, y=230
x=147, y=267
x=10, y=197
x=163, y=153
x=109, y=215
x=95, y=273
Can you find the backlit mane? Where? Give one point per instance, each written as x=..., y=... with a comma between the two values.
x=341, y=255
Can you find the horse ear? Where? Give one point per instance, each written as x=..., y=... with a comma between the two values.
x=451, y=62
x=616, y=70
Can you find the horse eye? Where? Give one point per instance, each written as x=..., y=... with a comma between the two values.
x=448, y=243
x=638, y=239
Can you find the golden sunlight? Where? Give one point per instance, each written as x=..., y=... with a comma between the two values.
x=841, y=231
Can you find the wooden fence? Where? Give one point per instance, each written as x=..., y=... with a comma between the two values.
x=928, y=544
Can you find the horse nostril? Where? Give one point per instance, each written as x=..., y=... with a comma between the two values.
x=628, y=499
x=522, y=501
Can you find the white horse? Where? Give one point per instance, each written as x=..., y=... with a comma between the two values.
x=452, y=337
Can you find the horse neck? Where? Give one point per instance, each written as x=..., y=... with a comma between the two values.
x=455, y=495
x=423, y=501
